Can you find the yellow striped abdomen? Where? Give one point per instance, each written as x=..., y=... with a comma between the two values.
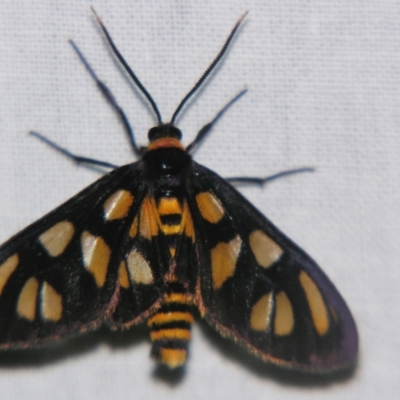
x=170, y=329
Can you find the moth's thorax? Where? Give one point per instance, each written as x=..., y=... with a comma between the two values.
x=166, y=164
x=167, y=167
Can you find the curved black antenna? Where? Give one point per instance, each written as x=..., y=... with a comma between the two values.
x=127, y=67
x=209, y=69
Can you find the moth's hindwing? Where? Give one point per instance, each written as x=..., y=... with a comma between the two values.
x=68, y=271
x=258, y=288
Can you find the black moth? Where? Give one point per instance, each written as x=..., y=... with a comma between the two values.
x=151, y=241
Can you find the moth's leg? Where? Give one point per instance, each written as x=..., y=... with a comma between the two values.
x=111, y=100
x=74, y=157
x=206, y=128
x=263, y=181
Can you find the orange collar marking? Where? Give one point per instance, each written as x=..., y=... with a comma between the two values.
x=164, y=143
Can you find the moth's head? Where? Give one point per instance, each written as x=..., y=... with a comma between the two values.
x=164, y=131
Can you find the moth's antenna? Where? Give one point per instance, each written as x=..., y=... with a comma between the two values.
x=209, y=69
x=127, y=67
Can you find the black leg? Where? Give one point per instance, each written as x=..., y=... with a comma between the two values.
x=74, y=157
x=110, y=98
x=206, y=128
x=263, y=181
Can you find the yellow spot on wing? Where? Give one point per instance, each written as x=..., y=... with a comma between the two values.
x=51, y=303
x=123, y=277
x=223, y=261
x=173, y=358
x=134, y=228
x=57, y=238
x=6, y=269
x=261, y=313
x=117, y=205
x=96, y=256
x=169, y=205
x=318, y=309
x=265, y=250
x=148, y=219
x=284, y=318
x=26, y=306
x=139, y=268
x=210, y=207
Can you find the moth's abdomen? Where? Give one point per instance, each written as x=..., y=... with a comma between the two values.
x=170, y=329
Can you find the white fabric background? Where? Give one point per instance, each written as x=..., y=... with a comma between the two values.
x=324, y=91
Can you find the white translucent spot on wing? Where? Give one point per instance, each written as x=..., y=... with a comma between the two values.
x=139, y=268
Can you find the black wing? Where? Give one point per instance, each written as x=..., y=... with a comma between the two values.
x=76, y=267
x=260, y=289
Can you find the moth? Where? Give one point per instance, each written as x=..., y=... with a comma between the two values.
x=152, y=241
